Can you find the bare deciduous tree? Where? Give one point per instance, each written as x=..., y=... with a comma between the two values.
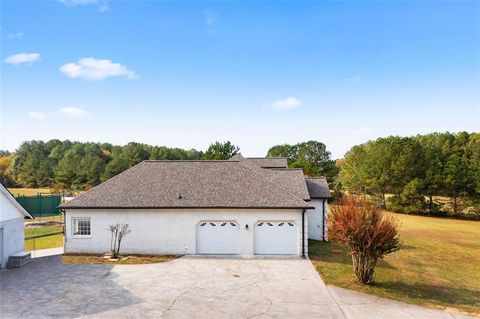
x=118, y=232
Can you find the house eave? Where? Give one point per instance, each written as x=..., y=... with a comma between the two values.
x=185, y=207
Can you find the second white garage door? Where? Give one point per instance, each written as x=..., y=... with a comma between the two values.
x=276, y=238
x=218, y=237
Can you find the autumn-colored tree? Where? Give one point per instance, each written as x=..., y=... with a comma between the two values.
x=6, y=177
x=368, y=233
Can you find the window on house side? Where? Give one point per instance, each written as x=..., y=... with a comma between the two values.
x=81, y=227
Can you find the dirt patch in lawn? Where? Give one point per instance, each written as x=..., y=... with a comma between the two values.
x=123, y=260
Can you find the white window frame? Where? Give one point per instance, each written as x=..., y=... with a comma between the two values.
x=74, y=220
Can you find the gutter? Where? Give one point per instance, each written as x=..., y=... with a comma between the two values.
x=184, y=207
x=303, y=234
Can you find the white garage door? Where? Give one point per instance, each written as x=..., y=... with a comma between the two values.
x=276, y=237
x=218, y=237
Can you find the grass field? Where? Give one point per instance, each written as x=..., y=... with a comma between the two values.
x=28, y=191
x=438, y=265
x=37, y=219
x=43, y=242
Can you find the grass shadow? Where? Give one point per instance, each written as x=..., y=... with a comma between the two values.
x=447, y=296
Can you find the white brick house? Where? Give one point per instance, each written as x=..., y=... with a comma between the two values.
x=243, y=206
x=12, y=235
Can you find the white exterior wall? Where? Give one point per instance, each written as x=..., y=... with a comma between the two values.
x=170, y=231
x=13, y=238
x=12, y=227
x=315, y=219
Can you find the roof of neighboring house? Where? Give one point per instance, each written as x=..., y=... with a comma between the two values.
x=191, y=184
x=318, y=187
x=12, y=199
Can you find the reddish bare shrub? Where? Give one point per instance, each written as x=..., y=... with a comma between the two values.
x=366, y=231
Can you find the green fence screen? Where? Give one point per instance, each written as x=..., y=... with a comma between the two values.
x=41, y=205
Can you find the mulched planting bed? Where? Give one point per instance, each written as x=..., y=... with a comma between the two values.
x=123, y=260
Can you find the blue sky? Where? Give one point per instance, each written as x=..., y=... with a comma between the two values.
x=186, y=74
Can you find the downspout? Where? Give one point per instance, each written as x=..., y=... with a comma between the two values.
x=303, y=234
x=323, y=220
x=64, y=213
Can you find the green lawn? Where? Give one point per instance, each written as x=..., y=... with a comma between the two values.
x=438, y=265
x=43, y=242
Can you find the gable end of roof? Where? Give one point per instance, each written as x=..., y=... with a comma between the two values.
x=12, y=199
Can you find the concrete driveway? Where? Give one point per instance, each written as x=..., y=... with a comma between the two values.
x=184, y=288
x=187, y=288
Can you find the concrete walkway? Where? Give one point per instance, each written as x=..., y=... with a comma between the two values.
x=47, y=252
x=363, y=306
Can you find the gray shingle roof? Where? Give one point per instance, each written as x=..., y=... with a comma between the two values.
x=291, y=180
x=318, y=187
x=189, y=184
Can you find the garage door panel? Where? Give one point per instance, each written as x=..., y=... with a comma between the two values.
x=218, y=237
x=276, y=238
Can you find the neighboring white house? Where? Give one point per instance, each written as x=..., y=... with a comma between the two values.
x=11, y=226
x=319, y=195
x=243, y=206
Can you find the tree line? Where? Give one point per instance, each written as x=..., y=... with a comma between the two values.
x=414, y=170
x=66, y=165
x=403, y=173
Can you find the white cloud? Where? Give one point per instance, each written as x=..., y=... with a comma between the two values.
x=209, y=17
x=35, y=115
x=102, y=5
x=286, y=103
x=78, y=2
x=96, y=69
x=17, y=35
x=22, y=58
x=72, y=112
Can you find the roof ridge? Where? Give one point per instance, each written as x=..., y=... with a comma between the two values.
x=266, y=157
x=192, y=161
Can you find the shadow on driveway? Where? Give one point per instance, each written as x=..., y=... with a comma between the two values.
x=48, y=288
